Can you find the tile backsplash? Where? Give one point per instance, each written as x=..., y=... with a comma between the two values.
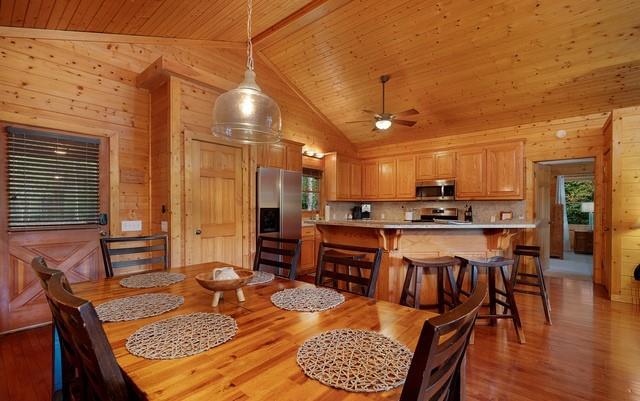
x=482, y=210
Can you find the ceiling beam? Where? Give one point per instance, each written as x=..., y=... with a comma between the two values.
x=311, y=12
x=52, y=34
x=163, y=68
x=297, y=91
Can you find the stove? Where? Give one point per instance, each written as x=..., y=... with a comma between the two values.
x=430, y=214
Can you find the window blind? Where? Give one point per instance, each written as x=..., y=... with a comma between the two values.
x=52, y=179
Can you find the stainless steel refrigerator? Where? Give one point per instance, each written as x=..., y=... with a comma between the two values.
x=279, y=203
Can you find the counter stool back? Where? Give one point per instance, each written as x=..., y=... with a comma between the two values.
x=363, y=265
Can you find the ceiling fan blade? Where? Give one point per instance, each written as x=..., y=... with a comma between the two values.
x=410, y=112
x=375, y=129
x=357, y=122
x=405, y=122
x=369, y=111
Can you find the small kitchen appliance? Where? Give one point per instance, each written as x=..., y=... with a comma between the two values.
x=366, y=210
x=432, y=214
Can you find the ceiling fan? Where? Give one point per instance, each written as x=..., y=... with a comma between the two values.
x=384, y=120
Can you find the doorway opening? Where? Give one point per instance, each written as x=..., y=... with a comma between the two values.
x=570, y=208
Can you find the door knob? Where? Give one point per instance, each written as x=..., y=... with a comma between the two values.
x=198, y=231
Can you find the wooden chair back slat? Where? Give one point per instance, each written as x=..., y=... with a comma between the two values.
x=157, y=244
x=332, y=278
x=279, y=254
x=81, y=330
x=435, y=370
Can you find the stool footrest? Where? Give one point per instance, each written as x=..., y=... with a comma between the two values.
x=508, y=316
x=529, y=283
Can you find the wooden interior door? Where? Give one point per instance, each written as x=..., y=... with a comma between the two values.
x=542, y=185
x=216, y=225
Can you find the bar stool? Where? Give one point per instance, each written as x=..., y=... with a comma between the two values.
x=415, y=269
x=531, y=279
x=510, y=310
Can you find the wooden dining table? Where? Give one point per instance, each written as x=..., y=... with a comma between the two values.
x=259, y=363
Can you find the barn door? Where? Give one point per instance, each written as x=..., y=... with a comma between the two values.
x=50, y=207
x=215, y=227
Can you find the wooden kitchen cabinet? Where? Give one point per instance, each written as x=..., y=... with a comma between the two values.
x=293, y=157
x=406, y=177
x=505, y=171
x=307, y=251
x=285, y=155
x=370, y=179
x=387, y=178
x=470, y=173
x=436, y=165
x=491, y=172
x=343, y=177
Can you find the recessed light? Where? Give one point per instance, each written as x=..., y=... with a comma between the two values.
x=561, y=133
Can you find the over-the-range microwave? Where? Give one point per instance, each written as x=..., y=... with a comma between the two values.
x=436, y=190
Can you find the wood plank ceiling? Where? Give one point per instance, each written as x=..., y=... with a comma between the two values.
x=465, y=65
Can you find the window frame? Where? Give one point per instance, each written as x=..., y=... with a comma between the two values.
x=317, y=174
x=104, y=189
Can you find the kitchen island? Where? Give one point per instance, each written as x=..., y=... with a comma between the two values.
x=421, y=240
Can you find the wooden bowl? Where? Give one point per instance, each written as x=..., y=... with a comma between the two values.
x=206, y=280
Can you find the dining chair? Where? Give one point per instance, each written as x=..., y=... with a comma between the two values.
x=278, y=254
x=81, y=331
x=117, y=254
x=64, y=375
x=437, y=368
x=364, y=276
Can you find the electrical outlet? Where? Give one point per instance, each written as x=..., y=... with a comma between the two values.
x=131, y=225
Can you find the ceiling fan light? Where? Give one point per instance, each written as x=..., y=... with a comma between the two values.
x=383, y=124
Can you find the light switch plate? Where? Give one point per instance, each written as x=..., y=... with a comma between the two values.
x=131, y=225
x=164, y=226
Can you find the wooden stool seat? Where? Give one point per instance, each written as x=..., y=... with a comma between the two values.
x=415, y=268
x=507, y=300
x=531, y=279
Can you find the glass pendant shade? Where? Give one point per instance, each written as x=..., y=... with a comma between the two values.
x=247, y=115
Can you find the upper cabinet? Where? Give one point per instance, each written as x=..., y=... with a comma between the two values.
x=436, y=166
x=406, y=177
x=370, y=181
x=386, y=178
x=491, y=172
x=505, y=171
x=471, y=166
x=343, y=177
x=285, y=155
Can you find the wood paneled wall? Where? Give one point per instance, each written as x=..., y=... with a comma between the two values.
x=584, y=138
x=625, y=246
x=89, y=87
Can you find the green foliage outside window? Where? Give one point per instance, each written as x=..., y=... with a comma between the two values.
x=577, y=192
x=310, y=193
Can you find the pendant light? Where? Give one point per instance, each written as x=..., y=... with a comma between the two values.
x=246, y=114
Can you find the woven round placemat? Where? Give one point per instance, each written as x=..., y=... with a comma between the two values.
x=181, y=336
x=307, y=299
x=138, y=307
x=149, y=280
x=260, y=277
x=355, y=360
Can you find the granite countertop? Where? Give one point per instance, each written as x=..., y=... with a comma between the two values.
x=393, y=224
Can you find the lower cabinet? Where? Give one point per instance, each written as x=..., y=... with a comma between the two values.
x=308, y=251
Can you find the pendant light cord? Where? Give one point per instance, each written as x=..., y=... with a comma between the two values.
x=249, y=42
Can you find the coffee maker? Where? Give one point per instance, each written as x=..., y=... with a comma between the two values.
x=366, y=210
